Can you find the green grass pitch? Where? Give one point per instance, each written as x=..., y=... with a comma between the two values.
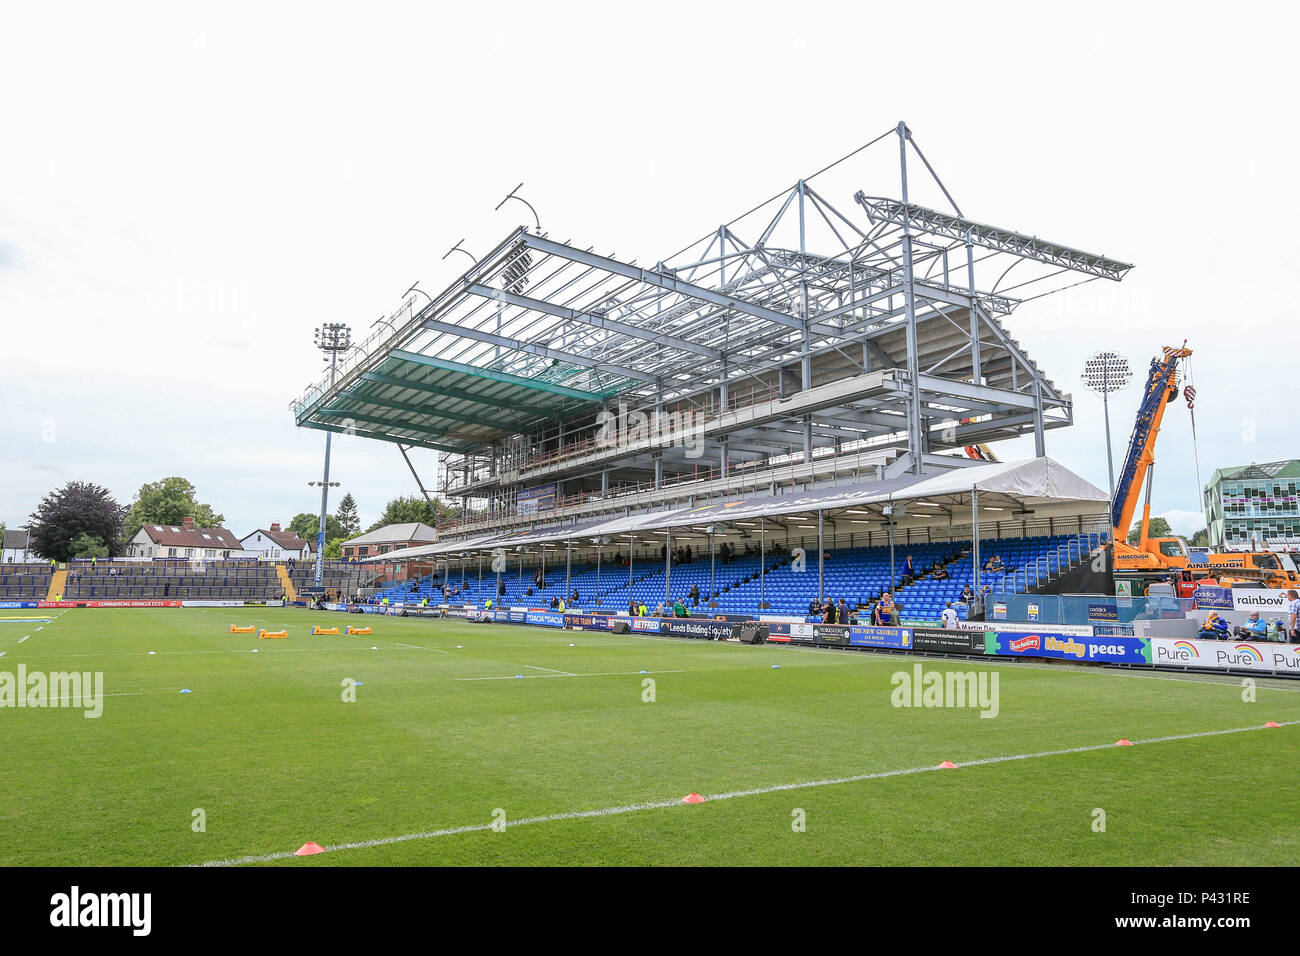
x=440, y=736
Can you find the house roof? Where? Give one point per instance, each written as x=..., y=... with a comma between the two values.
x=396, y=534
x=177, y=536
x=16, y=539
x=288, y=540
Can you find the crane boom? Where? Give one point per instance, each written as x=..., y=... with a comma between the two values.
x=1162, y=387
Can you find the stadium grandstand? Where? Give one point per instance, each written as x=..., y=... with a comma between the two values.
x=234, y=579
x=783, y=411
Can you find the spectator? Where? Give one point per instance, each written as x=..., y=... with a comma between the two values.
x=909, y=571
x=573, y=598
x=879, y=616
x=949, y=616
x=888, y=613
x=1293, y=614
x=941, y=573
x=1215, y=628
x=967, y=595
x=1254, y=627
x=828, y=613
x=679, y=609
x=841, y=612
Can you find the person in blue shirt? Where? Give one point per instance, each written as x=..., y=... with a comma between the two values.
x=1254, y=626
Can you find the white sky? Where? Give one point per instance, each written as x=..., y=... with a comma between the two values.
x=188, y=194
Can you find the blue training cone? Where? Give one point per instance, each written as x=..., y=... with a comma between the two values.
x=186, y=691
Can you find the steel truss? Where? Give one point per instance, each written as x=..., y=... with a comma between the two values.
x=508, y=369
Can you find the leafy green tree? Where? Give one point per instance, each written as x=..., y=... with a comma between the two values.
x=169, y=501
x=349, y=523
x=411, y=508
x=306, y=526
x=1158, y=528
x=78, y=508
x=334, y=549
x=1201, y=539
x=88, y=546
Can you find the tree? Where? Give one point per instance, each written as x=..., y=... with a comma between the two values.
x=88, y=546
x=349, y=523
x=408, y=509
x=1158, y=528
x=1201, y=539
x=306, y=526
x=78, y=508
x=334, y=549
x=169, y=501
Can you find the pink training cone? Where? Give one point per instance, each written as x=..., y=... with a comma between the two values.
x=693, y=798
x=1272, y=723
x=309, y=849
x=947, y=765
x=1123, y=742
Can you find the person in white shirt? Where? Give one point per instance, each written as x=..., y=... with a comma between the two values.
x=949, y=616
x=1293, y=613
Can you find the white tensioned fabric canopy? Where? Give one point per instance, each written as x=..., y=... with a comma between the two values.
x=1037, y=481
x=426, y=550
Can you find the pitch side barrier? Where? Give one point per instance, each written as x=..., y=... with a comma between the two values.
x=1074, y=643
x=134, y=603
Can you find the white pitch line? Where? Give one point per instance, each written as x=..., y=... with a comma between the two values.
x=729, y=795
x=548, y=676
x=420, y=647
x=552, y=670
x=21, y=639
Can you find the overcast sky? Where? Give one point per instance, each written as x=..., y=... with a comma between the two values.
x=186, y=195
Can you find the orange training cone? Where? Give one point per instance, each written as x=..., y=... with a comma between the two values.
x=947, y=765
x=1272, y=723
x=1122, y=742
x=309, y=849
x=693, y=798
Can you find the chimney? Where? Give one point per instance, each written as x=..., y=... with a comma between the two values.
x=275, y=526
x=188, y=522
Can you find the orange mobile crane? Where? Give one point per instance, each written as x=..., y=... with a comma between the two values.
x=1169, y=557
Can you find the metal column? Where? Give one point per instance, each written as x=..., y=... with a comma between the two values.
x=909, y=302
x=821, y=591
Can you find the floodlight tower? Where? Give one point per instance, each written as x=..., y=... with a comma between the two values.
x=1106, y=372
x=331, y=338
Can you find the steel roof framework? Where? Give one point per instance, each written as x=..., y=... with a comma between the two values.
x=536, y=337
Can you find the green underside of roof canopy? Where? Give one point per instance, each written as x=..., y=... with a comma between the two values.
x=432, y=402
